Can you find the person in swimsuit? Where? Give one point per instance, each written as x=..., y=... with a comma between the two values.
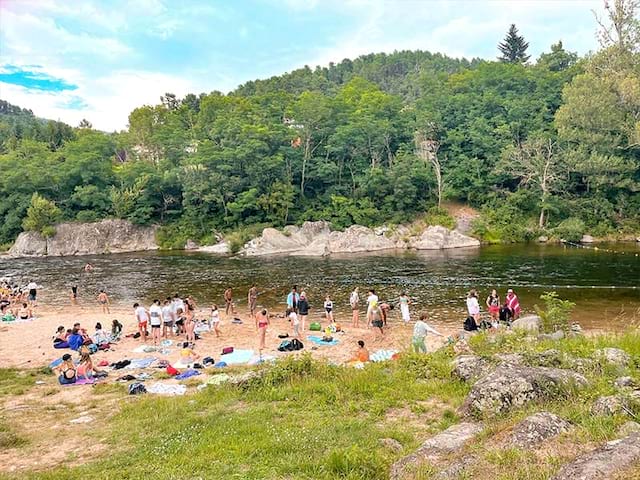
x=493, y=304
x=189, y=322
x=74, y=294
x=228, y=300
x=215, y=319
x=328, y=308
x=384, y=311
x=354, y=301
x=66, y=370
x=25, y=312
x=86, y=370
x=103, y=300
x=142, y=318
x=252, y=300
x=376, y=317
x=371, y=299
x=262, y=322
x=88, y=268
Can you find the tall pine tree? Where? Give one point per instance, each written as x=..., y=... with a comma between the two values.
x=513, y=48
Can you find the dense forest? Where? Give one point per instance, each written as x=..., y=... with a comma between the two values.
x=550, y=146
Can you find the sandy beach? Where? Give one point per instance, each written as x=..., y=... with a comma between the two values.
x=29, y=344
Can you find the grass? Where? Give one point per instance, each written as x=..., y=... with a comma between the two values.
x=306, y=419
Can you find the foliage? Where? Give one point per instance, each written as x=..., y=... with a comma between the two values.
x=556, y=313
x=378, y=139
x=439, y=216
x=514, y=48
x=42, y=215
x=570, y=230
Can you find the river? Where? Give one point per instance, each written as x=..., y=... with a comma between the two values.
x=603, y=283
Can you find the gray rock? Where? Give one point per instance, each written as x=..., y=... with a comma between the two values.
x=587, y=239
x=357, y=238
x=511, y=387
x=605, y=462
x=609, y=405
x=391, y=444
x=191, y=245
x=29, y=244
x=469, y=367
x=458, y=469
x=543, y=239
x=548, y=358
x=614, y=356
x=436, y=237
x=444, y=443
x=625, y=382
x=555, y=336
x=582, y=365
x=221, y=247
x=509, y=358
x=628, y=428
x=529, y=323
x=107, y=236
x=536, y=428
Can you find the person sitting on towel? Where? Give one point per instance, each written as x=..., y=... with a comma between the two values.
x=66, y=370
x=187, y=355
x=362, y=354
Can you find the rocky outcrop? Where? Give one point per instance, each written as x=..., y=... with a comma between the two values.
x=107, y=236
x=605, y=462
x=510, y=387
x=529, y=323
x=438, y=238
x=445, y=443
x=317, y=239
x=537, y=428
x=220, y=247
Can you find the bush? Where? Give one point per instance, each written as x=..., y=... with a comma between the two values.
x=556, y=314
x=42, y=215
x=238, y=238
x=439, y=216
x=570, y=229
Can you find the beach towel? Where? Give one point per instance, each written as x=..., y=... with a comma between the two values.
x=187, y=374
x=141, y=362
x=382, y=355
x=166, y=343
x=55, y=363
x=318, y=341
x=220, y=365
x=167, y=389
x=201, y=328
x=237, y=357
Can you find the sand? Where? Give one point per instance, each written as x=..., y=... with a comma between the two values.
x=30, y=344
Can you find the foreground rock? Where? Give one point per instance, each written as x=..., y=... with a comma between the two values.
x=107, y=236
x=537, y=428
x=610, y=405
x=469, y=367
x=317, y=239
x=605, y=462
x=510, y=387
x=528, y=323
x=449, y=441
x=614, y=356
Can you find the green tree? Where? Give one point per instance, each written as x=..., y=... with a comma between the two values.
x=513, y=48
x=558, y=59
x=42, y=216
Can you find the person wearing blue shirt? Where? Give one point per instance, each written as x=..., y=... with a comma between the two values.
x=293, y=299
x=75, y=340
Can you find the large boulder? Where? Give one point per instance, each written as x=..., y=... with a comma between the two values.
x=107, y=236
x=435, y=448
x=469, y=367
x=536, y=428
x=220, y=247
x=607, y=461
x=614, y=356
x=587, y=239
x=436, y=237
x=510, y=387
x=357, y=238
x=528, y=323
x=29, y=244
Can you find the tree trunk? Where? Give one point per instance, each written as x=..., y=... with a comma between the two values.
x=305, y=159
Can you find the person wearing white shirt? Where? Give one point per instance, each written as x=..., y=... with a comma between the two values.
x=473, y=306
x=420, y=330
x=372, y=302
x=354, y=301
x=155, y=314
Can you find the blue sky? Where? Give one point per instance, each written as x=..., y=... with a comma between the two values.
x=99, y=59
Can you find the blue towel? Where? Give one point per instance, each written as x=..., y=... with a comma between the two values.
x=237, y=356
x=55, y=363
x=187, y=373
x=318, y=340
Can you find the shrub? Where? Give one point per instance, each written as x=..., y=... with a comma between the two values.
x=439, y=216
x=570, y=229
x=556, y=314
x=42, y=215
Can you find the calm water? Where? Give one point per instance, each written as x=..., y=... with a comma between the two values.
x=604, y=285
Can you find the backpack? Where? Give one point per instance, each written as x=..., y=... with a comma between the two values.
x=296, y=344
x=285, y=346
x=315, y=326
x=470, y=324
x=226, y=350
x=137, y=389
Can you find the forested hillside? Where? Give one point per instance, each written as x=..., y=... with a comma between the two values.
x=546, y=146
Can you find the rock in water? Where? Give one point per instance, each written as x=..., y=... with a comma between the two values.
x=536, y=428
x=444, y=443
x=529, y=323
x=605, y=462
x=514, y=386
x=107, y=236
x=614, y=356
x=436, y=237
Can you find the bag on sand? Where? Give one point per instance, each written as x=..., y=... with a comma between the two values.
x=285, y=346
x=172, y=371
x=137, y=388
x=226, y=350
x=315, y=327
x=296, y=344
x=470, y=324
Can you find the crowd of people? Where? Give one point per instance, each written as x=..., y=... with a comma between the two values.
x=18, y=302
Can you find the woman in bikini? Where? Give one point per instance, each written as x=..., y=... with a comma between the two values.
x=25, y=312
x=103, y=300
x=328, y=308
x=189, y=324
x=66, y=370
x=262, y=322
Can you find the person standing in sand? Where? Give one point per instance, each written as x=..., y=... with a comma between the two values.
x=142, y=319
x=328, y=308
x=228, y=300
x=252, y=300
x=404, y=302
x=262, y=322
x=293, y=298
x=303, y=309
x=168, y=317
x=32, y=287
x=103, y=300
x=354, y=301
x=155, y=313
x=371, y=299
x=473, y=307
x=215, y=319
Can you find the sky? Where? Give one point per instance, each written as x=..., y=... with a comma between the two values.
x=99, y=59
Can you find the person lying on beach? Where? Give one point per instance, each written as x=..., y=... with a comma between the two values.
x=66, y=370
